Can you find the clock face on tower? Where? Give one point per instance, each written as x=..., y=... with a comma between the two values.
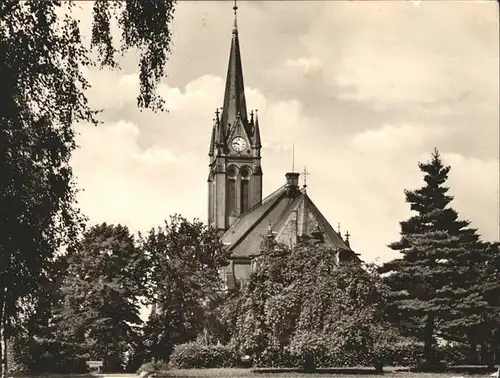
x=238, y=144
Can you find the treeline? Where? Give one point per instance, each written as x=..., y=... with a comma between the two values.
x=437, y=304
x=87, y=306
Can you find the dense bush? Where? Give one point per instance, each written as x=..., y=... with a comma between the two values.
x=153, y=366
x=197, y=355
x=453, y=354
x=31, y=355
x=401, y=354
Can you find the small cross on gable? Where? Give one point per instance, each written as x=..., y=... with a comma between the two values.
x=305, y=173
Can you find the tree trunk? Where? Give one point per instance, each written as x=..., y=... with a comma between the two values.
x=471, y=339
x=3, y=333
x=428, y=340
x=496, y=347
x=309, y=364
x=379, y=367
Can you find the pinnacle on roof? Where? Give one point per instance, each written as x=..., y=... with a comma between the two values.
x=221, y=135
x=212, y=138
x=256, y=132
x=346, y=241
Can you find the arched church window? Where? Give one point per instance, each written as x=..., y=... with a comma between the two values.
x=245, y=172
x=245, y=188
x=231, y=189
x=231, y=172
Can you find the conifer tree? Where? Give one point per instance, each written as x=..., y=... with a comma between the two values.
x=489, y=286
x=437, y=251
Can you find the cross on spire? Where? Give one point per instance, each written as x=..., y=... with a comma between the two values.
x=305, y=173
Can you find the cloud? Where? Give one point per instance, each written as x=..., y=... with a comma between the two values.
x=357, y=181
x=386, y=52
x=310, y=68
x=364, y=90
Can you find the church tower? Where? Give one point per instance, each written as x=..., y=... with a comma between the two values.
x=235, y=174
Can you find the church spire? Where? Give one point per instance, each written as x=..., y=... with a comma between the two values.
x=234, y=95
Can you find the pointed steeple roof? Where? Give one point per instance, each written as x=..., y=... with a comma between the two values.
x=234, y=95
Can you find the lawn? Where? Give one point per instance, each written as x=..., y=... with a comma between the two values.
x=247, y=373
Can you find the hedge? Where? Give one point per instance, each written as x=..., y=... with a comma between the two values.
x=197, y=355
x=31, y=355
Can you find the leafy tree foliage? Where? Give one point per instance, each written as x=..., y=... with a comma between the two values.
x=184, y=259
x=301, y=304
x=431, y=284
x=42, y=97
x=106, y=276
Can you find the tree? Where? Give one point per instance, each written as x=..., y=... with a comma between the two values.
x=489, y=285
x=184, y=259
x=42, y=97
x=430, y=283
x=301, y=304
x=106, y=277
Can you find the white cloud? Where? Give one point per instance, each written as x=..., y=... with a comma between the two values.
x=140, y=167
x=308, y=67
x=394, y=52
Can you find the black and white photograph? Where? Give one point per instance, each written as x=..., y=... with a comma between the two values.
x=245, y=188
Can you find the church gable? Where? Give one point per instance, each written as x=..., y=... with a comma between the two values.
x=239, y=129
x=245, y=236
x=290, y=217
x=302, y=220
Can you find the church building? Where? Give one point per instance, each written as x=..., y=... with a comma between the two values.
x=235, y=204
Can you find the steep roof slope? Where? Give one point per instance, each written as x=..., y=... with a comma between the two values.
x=279, y=211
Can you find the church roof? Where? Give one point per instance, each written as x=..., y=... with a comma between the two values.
x=244, y=237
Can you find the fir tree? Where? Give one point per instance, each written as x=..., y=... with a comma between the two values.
x=429, y=282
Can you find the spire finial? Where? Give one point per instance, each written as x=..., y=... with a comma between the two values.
x=235, y=8
x=338, y=228
x=293, y=158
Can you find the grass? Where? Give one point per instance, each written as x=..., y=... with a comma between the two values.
x=248, y=373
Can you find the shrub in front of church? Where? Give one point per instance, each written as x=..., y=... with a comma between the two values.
x=153, y=366
x=197, y=355
x=301, y=307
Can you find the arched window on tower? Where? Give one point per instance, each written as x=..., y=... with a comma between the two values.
x=245, y=189
x=231, y=190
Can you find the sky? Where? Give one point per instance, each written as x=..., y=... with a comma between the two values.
x=364, y=90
